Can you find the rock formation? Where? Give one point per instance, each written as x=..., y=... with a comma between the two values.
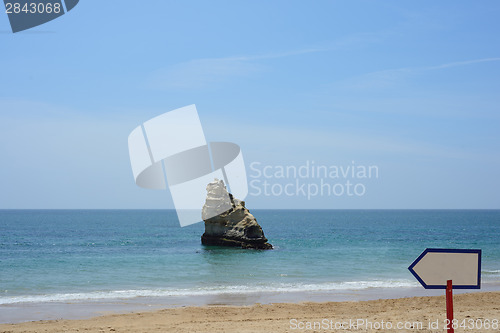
x=228, y=222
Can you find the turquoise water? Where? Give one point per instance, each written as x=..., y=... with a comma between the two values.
x=54, y=255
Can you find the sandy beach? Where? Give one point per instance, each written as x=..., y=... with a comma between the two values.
x=475, y=312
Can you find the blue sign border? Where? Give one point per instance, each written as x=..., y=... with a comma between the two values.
x=434, y=286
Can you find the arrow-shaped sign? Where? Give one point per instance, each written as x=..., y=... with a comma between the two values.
x=434, y=267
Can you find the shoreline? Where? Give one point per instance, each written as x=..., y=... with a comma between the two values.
x=418, y=313
x=86, y=309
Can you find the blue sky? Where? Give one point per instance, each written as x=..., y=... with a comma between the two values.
x=412, y=87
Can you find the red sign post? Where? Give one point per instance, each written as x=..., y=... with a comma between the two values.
x=449, y=305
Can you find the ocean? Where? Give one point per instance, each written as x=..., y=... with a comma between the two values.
x=82, y=255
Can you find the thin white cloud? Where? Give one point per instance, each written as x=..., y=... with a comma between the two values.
x=461, y=63
x=398, y=76
x=282, y=54
x=410, y=70
x=207, y=72
x=200, y=73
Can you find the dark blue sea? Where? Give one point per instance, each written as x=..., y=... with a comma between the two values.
x=79, y=255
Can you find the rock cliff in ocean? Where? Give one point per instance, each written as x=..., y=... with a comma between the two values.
x=228, y=222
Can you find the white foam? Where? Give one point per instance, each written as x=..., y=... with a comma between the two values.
x=214, y=290
x=491, y=273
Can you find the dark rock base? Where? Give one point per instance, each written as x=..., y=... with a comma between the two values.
x=225, y=241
